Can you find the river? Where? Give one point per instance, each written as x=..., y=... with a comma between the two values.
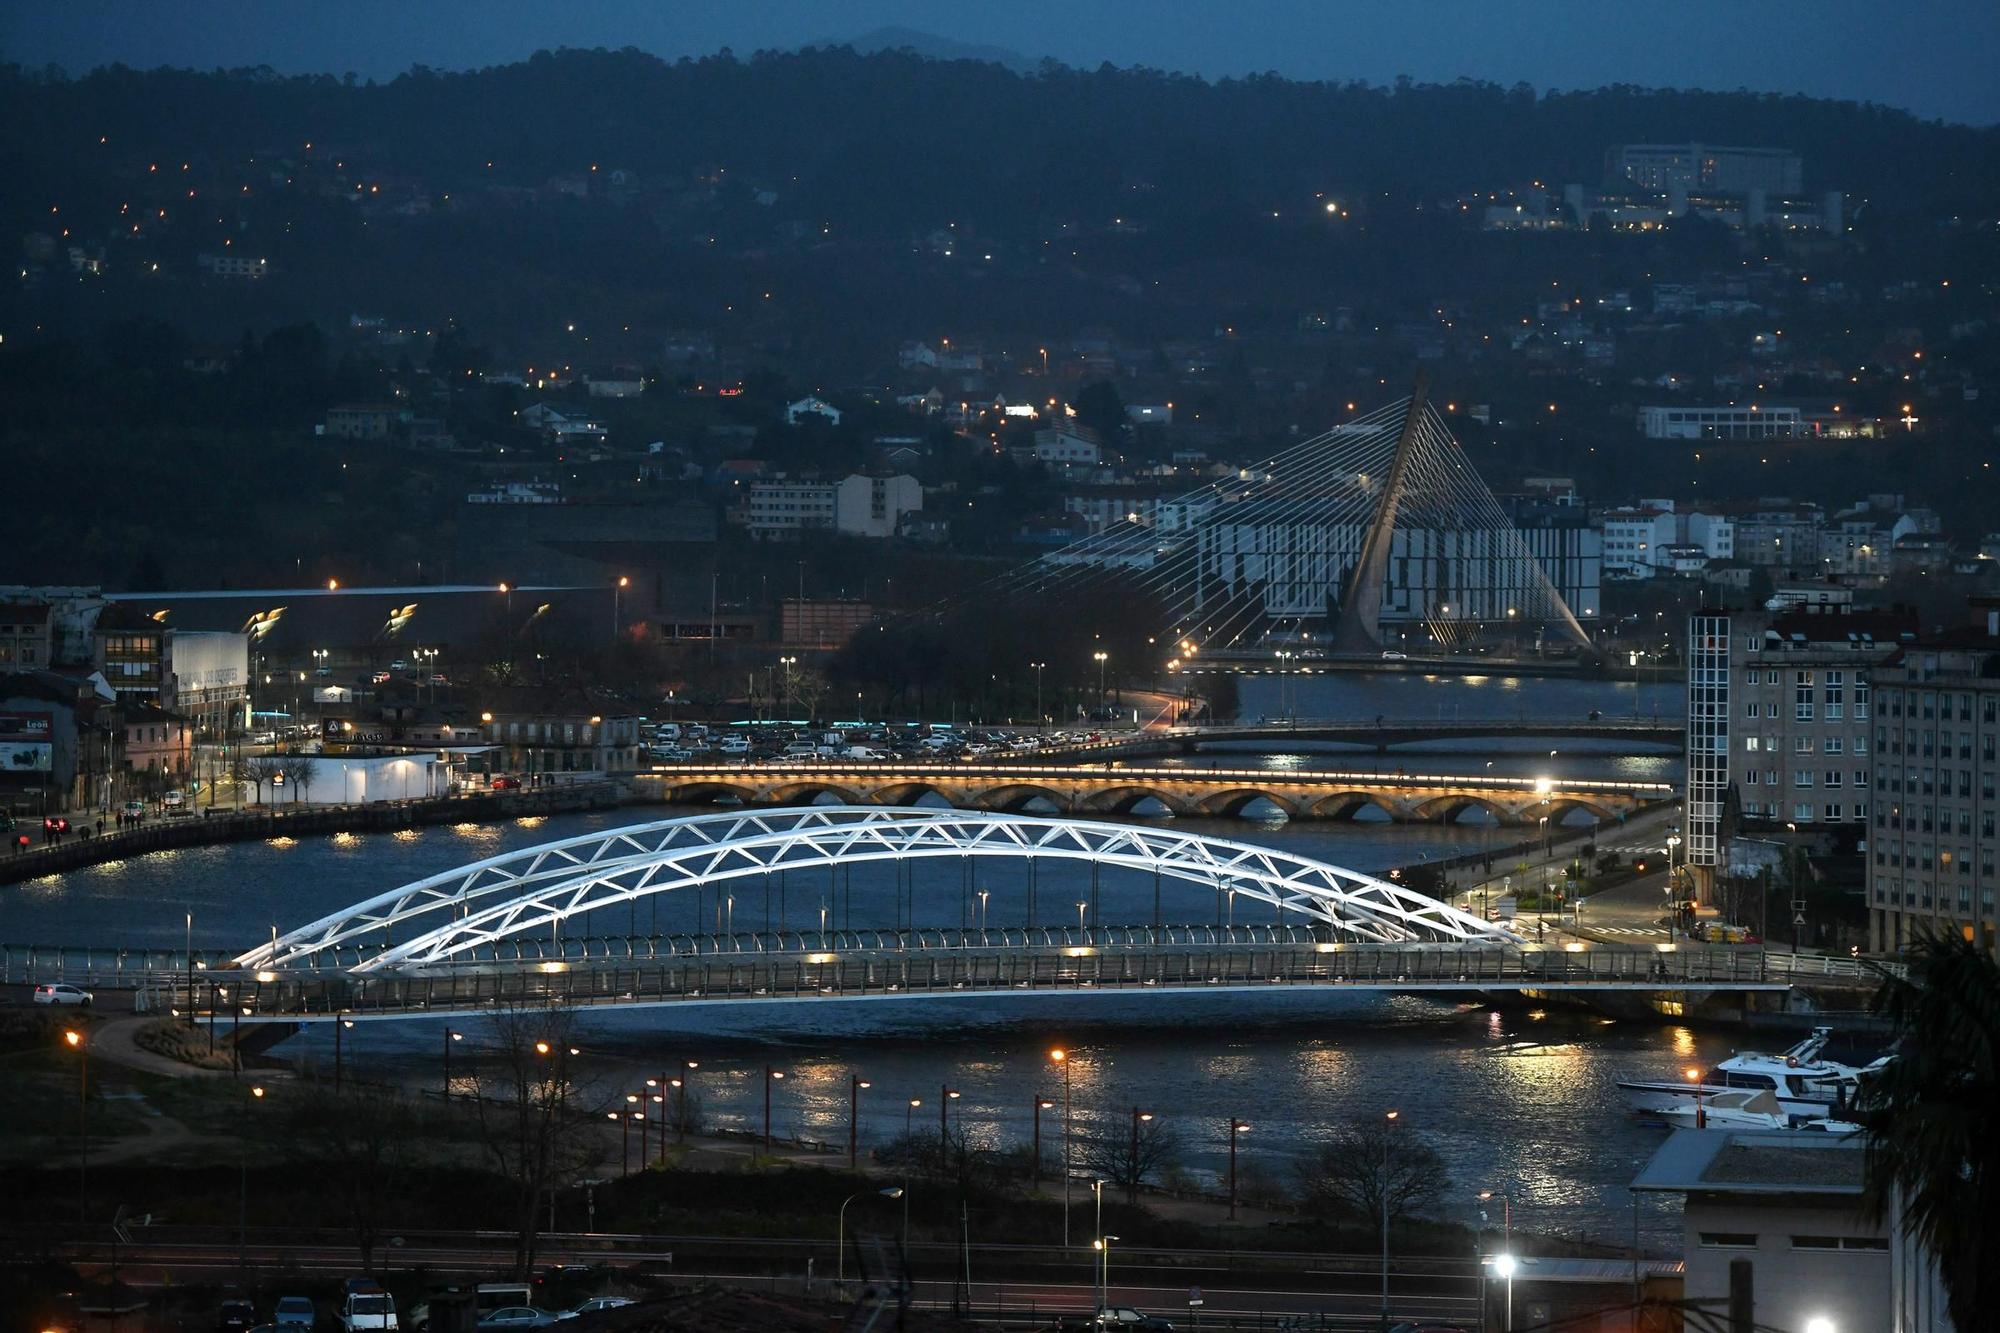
x=1521, y=1101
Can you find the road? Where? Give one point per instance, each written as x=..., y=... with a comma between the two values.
x=1350, y=1289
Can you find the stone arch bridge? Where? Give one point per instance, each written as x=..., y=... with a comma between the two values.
x=1102, y=790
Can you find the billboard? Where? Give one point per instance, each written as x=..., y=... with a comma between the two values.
x=24, y=757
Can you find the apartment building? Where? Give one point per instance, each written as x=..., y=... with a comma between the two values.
x=1934, y=849
x=1781, y=715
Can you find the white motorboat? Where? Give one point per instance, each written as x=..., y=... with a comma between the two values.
x=1803, y=1085
x=1747, y=1109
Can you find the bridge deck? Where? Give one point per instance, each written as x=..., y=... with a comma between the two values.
x=904, y=974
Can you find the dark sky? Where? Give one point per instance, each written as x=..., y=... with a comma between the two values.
x=1934, y=57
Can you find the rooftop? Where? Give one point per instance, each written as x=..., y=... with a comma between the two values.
x=1754, y=1162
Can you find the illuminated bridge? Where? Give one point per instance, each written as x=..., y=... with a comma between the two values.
x=1381, y=734
x=1099, y=789
x=528, y=927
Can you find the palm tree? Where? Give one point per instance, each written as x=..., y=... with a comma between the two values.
x=1930, y=1116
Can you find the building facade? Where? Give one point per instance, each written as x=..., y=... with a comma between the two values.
x=1755, y=421
x=1781, y=719
x=25, y=640
x=1660, y=168
x=1933, y=847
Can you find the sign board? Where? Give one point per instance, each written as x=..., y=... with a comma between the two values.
x=24, y=757
x=1194, y=1297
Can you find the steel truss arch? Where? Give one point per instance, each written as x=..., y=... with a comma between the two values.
x=452, y=915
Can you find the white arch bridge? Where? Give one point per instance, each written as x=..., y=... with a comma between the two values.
x=472, y=913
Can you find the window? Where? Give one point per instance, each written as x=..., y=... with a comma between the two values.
x=1861, y=777
x=1729, y=1240
x=1875, y=1243
x=1802, y=745
x=1802, y=777
x=1831, y=814
x=1751, y=777
x=1803, y=812
x=1830, y=778
x=1833, y=745
x=1750, y=744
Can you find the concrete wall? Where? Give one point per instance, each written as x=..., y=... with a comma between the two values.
x=1792, y=1284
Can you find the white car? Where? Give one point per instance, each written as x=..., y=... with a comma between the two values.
x=174, y=800
x=61, y=992
x=596, y=1303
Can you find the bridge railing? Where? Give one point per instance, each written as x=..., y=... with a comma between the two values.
x=864, y=974
x=1324, y=958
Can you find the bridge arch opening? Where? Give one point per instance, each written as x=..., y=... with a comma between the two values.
x=1460, y=809
x=1023, y=798
x=813, y=793
x=708, y=793
x=1249, y=803
x=1580, y=813
x=1139, y=802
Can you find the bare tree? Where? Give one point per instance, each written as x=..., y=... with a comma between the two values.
x=1368, y=1157
x=365, y=1135
x=1132, y=1160
x=298, y=772
x=809, y=687
x=258, y=771
x=536, y=1124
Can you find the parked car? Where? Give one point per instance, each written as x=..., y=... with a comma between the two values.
x=368, y=1309
x=294, y=1312
x=174, y=800
x=135, y=807
x=1124, y=1316
x=594, y=1304
x=61, y=992
x=518, y=1316
x=505, y=782
x=235, y=1316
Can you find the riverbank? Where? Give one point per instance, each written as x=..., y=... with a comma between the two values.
x=79, y=849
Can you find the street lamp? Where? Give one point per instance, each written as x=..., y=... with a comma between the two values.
x=1101, y=658
x=617, y=598
x=1103, y=1247
x=1061, y=1057
x=338, y=1029
x=1235, y=1127
x=855, y=1083
x=982, y=914
x=1389, y=1123
x=840, y=1271
x=1693, y=1075
x=1673, y=905
x=770, y=1076
x=946, y=1096
x=1041, y=1104
x=1132, y=1186
x=243, y=1186
x=73, y=1037
x=1041, y=719
x=449, y=1038
x=1504, y=1266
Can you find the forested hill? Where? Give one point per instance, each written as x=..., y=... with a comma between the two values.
x=883, y=141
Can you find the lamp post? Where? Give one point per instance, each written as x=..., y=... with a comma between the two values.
x=1104, y=1270
x=625, y=1132
x=339, y=1028
x=1102, y=658
x=75, y=1040
x=946, y=1096
x=1061, y=1057
x=1503, y=1266
x=1041, y=1104
x=243, y=1186
x=1235, y=1127
x=1096, y=1277
x=840, y=1244
x=982, y=914
x=1132, y=1185
x=449, y=1038
x=685, y=1085
x=1693, y=1074
x=617, y=598
x=1041, y=719
x=770, y=1076
x=1389, y=1124
x=1673, y=903
x=855, y=1083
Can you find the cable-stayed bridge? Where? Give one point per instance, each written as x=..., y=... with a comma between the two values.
x=1375, y=532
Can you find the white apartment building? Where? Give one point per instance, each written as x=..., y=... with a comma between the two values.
x=1067, y=445
x=856, y=506
x=1652, y=537
x=1750, y=421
